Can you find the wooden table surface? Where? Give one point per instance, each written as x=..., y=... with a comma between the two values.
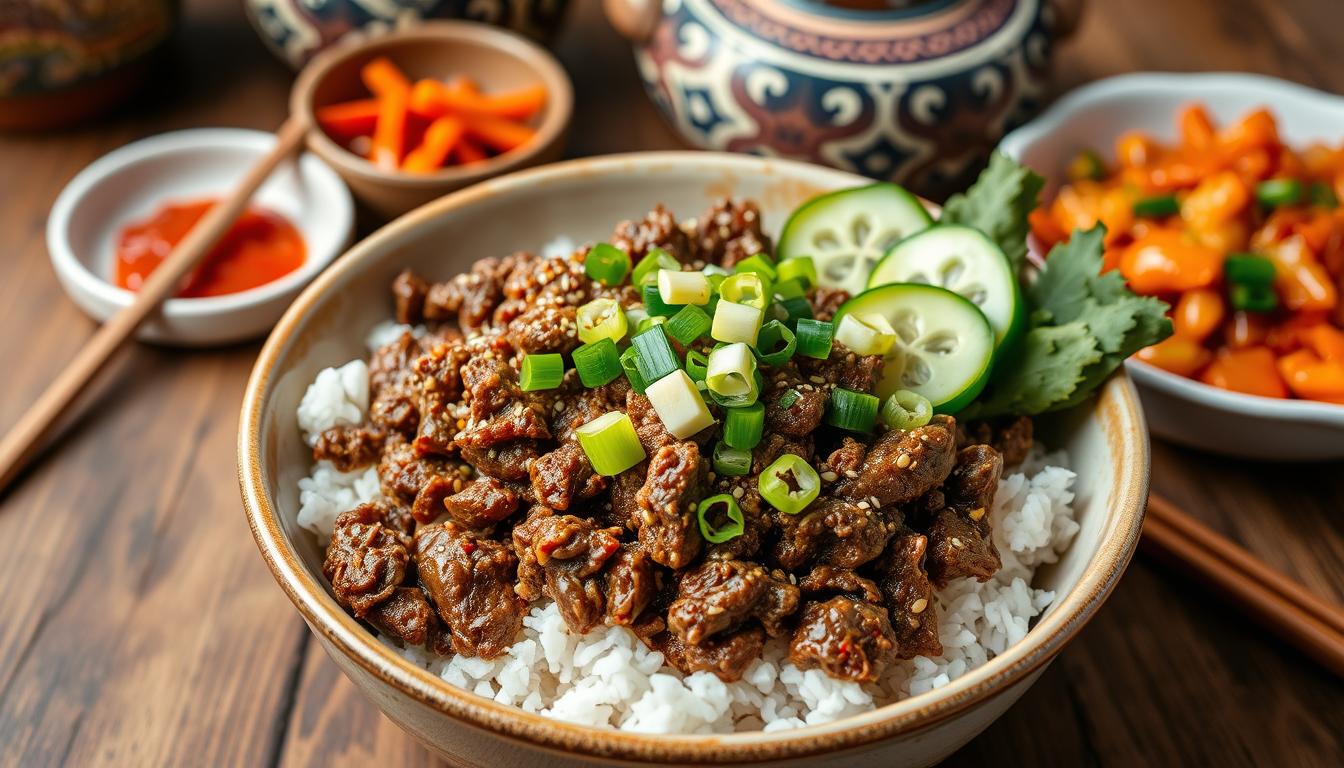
x=140, y=626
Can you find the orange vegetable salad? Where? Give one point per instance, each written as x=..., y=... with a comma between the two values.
x=1241, y=234
x=430, y=124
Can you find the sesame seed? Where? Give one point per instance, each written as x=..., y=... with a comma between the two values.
x=816, y=379
x=851, y=474
x=919, y=605
x=903, y=460
x=864, y=505
x=738, y=492
x=977, y=513
x=829, y=476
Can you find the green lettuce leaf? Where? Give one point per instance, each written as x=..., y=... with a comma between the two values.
x=998, y=204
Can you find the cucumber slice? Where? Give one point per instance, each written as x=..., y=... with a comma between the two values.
x=847, y=232
x=964, y=261
x=944, y=345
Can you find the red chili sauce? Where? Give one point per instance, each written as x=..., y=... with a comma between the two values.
x=260, y=247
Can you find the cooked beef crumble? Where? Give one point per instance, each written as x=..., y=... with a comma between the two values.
x=491, y=503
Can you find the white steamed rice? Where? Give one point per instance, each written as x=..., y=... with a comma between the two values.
x=608, y=678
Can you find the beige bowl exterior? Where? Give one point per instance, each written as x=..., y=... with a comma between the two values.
x=582, y=199
x=498, y=60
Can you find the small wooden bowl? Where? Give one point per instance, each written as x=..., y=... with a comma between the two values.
x=495, y=58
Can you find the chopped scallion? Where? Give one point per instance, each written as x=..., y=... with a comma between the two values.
x=607, y=264
x=1322, y=195
x=601, y=319
x=735, y=322
x=628, y=365
x=654, y=304
x=541, y=372
x=597, y=363
x=790, y=289
x=678, y=403
x=676, y=287
x=869, y=334
x=611, y=444
x=759, y=264
x=850, y=410
x=731, y=462
x=906, y=410
x=646, y=271
x=1157, y=207
x=731, y=376
x=697, y=365
x=814, y=338
x=1253, y=298
x=749, y=288
x=787, y=399
x=1278, y=192
x=720, y=518
x=775, y=344
x=1248, y=269
x=654, y=354
x=689, y=324
x=743, y=426
x=800, y=268
x=790, y=311
x=789, y=484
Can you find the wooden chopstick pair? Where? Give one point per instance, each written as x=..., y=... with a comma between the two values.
x=1314, y=626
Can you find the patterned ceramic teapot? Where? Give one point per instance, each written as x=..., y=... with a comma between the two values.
x=916, y=91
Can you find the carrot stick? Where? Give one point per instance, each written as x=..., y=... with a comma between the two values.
x=381, y=77
x=431, y=98
x=468, y=152
x=349, y=119
x=389, y=135
x=497, y=133
x=427, y=99
x=442, y=135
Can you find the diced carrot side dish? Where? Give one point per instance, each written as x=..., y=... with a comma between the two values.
x=1241, y=234
x=430, y=124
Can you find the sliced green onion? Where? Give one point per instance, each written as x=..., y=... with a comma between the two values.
x=869, y=334
x=1253, y=298
x=602, y=319
x=800, y=268
x=1086, y=165
x=598, y=362
x=689, y=324
x=906, y=410
x=646, y=271
x=677, y=287
x=775, y=344
x=789, y=289
x=1157, y=207
x=634, y=314
x=717, y=532
x=790, y=311
x=743, y=426
x=648, y=323
x=731, y=462
x=789, y=484
x=750, y=288
x=731, y=376
x=611, y=444
x=697, y=366
x=678, y=403
x=814, y=338
x=787, y=399
x=607, y=264
x=1248, y=269
x=654, y=354
x=654, y=304
x=1322, y=195
x=541, y=372
x=1278, y=192
x=735, y=323
x=631, y=369
x=854, y=411
x=714, y=270
x=759, y=264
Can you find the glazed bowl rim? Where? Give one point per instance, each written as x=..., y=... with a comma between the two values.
x=1197, y=85
x=1071, y=611
x=556, y=114
x=193, y=140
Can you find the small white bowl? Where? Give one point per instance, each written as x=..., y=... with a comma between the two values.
x=131, y=183
x=1180, y=409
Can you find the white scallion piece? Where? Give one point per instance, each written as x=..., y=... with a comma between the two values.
x=683, y=287
x=678, y=403
x=869, y=334
x=736, y=323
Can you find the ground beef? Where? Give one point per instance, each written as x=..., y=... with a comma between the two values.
x=842, y=368
x=471, y=581
x=625, y=489
x=1011, y=437
x=960, y=545
x=394, y=388
x=834, y=532
x=545, y=329
x=564, y=475
x=756, y=524
x=587, y=405
x=727, y=655
x=402, y=472
x=562, y=556
x=909, y=596
x=439, y=386
x=974, y=479
x=666, y=520
x=729, y=232
x=719, y=595
x=648, y=425
x=806, y=402
x=631, y=583
x=773, y=446
x=902, y=466
x=474, y=296
x=848, y=639
x=482, y=503
x=829, y=580
x=846, y=461
x=408, y=293
x=405, y=615
x=366, y=560
x=509, y=462
x=659, y=229
x=349, y=448
x=825, y=301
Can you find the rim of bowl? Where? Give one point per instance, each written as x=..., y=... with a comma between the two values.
x=1196, y=85
x=1073, y=609
x=202, y=140
x=555, y=120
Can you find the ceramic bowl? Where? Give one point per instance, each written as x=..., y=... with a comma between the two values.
x=582, y=199
x=916, y=93
x=1180, y=409
x=496, y=59
x=296, y=30
x=131, y=183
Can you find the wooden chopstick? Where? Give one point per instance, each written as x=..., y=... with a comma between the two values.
x=1284, y=607
x=18, y=445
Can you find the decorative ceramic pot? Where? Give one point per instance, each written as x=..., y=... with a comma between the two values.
x=913, y=91
x=295, y=30
x=62, y=61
